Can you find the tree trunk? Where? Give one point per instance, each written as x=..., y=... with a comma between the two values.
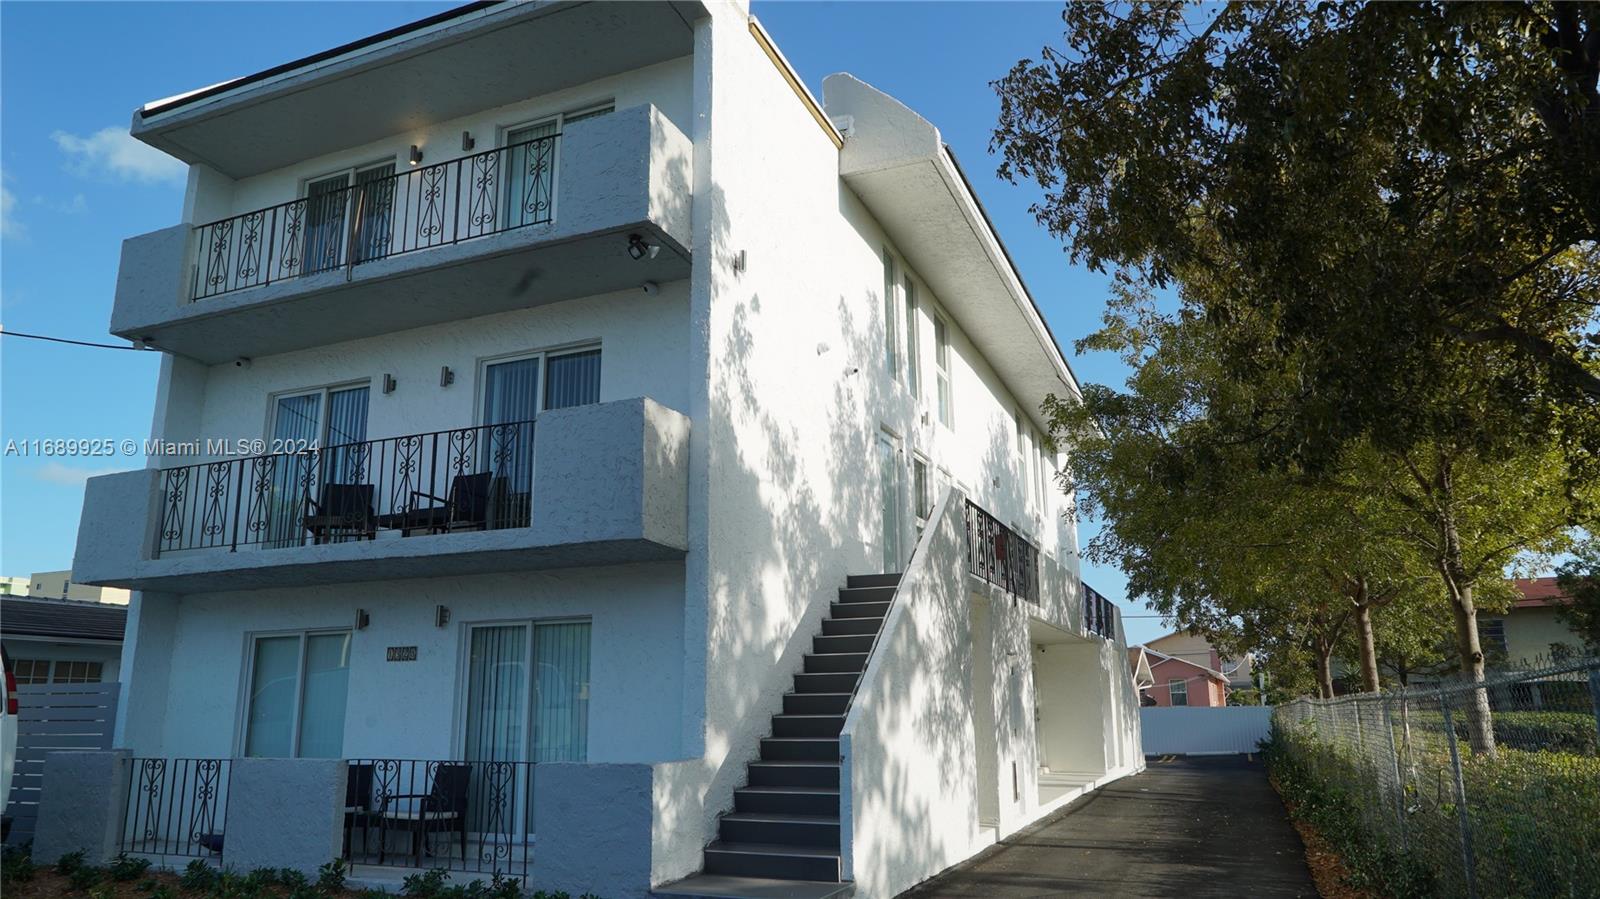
x=1325, y=669
x=1364, y=632
x=1480, y=721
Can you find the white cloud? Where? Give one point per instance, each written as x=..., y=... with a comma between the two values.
x=56, y=473
x=112, y=152
x=9, y=226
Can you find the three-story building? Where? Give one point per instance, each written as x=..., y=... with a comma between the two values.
x=602, y=462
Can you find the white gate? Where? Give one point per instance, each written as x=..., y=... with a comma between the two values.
x=53, y=717
x=1228, y=730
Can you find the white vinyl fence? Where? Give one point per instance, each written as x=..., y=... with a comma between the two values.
x=53, y=717
x=1228, y=730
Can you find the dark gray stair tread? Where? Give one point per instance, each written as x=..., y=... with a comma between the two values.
x=800, y=739
x=809, y=763
x=866, y=594
x=814, y=714
x=774, y=849
x=872, y=580
x=809, y=791
x=780, y=818
x=859, y=609
x=728, y=886
x=852, y=627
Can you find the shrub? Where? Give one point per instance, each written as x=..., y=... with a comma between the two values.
x=162, y=891
x=82, y=877
x=70, y=862
x=427, y=885
x=103, y=891
x=199, y=876
x=16, y=865
x=293, y=879
x=124, y=868
x=330, y=877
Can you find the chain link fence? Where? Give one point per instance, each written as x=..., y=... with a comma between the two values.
x=1517, y=815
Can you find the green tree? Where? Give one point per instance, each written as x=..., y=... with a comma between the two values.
x=1579, y=578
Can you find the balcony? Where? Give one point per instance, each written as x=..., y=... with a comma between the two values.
x=602, y=484
x=998, y=555
x=600, y=207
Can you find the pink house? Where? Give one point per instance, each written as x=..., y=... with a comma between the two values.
x=1165, y=680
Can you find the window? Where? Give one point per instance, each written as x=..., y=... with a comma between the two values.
x=77, y=672
x=913, y=352
x=1040, y=480
x=331, y=200
x=531, y=163
x=1492, y=636
x=296, y=703
x=31, y=671
x=1024, y=467
x=511, y=387
x=921, y=492
x=891, y=326
x=1178, y=690
x=527, y=692
x=941, y=363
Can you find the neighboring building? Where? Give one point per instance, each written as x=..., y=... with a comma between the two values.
x=1530, y=631
x=1240, y=673
x=62, y=641
x=1165, y=680
x=14, y=586
x=59, y=585
x=781, y=580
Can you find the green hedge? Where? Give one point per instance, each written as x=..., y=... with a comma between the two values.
x=1534, y=816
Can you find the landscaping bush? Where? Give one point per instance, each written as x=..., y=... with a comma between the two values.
x=16, y=865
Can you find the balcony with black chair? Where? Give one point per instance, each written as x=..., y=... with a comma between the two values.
x=469, y=816
x=599, y=484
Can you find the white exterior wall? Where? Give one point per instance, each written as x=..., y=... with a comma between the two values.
x=413, y=709
x=667, y=85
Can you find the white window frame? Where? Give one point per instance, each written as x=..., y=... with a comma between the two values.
x=561, y=120
x=323, y=406
x=543, y=355
x=943, y=376
x=891, y=314
x=1177, y=687
x=464, y=671
x=242, y=725
x=913, y=349
x=918, y=518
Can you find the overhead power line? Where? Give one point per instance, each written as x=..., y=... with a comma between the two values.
x=88, y=343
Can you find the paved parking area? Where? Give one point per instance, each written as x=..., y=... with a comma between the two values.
x=1201, y=826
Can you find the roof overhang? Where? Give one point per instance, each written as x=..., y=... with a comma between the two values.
x=472, y=58
x=897, y=164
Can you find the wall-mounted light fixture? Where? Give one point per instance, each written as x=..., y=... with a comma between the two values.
x=441, y=616
x=389, y=383
x=467, y=142
x=638, y=249
x=362, y=619
x=446, y=376
x=416, y=155
x=739, y=262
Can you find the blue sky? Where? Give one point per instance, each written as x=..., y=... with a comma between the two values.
x=75, y=187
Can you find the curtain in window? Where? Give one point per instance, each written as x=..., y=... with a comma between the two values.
x=530, y=175
x=324, y=218
x=497, y=685
x=269, y=732
x=347, y=424
x=296, y=419
x=374, y=209
x=511, y=391
x=510, y=394
x=322, y=701
x=572, y=379
x=561, y=692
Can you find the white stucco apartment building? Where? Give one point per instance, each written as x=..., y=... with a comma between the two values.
x=642, y=464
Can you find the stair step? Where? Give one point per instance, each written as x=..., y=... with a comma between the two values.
x=789, y=830
x=793, y=800
x=795, y=749
x=835, y=662
x=866, y=594
x=823, y=643
x=795, y=774
x=780, y=861
x=839, y=627
x=873, y=580
x=815, y=703
x=858, y=609
x=829, y=682
x=825, y=726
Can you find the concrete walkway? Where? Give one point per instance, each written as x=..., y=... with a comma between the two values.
x=1186, y=827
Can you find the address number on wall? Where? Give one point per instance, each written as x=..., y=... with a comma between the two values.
x=402, y=653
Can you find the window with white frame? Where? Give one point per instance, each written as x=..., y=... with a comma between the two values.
x=1024, y=468
x=1041, y=480
x=532, y=152
x=77, y=672
x=891, y=325
x=31, y=671
x=518, y=388
x=295, y=704
x=1178, y=691
x=913, y=350
x=526, y=695
x=941, y=364
x=363, y=195
x=921, y=492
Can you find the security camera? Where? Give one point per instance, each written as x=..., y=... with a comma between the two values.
x=242, y=362
x=650, y=287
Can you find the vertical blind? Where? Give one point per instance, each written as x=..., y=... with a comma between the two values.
x=347, y=424
x=374, y=202
x=324, y=217
x=318, y=684
x=499, y=681
x=573, y=379
x=322, y=698
x=270, y=727
x=511, y=391
x=530, y=174
x=561, y=690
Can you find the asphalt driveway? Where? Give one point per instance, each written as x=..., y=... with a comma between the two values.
x=1206, y=826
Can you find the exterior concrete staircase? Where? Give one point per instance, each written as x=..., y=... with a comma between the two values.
x=785, y=822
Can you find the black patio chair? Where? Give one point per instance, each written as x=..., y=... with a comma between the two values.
x=442, y=809
x=357, y=803
x=342, y=510
x=476, y=503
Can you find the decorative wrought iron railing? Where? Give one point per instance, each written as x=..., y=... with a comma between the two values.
x=422, y=207
x=467, y=479
x=1099, y=616
x=437, y=813
x=176, y=807
x=1000, y=555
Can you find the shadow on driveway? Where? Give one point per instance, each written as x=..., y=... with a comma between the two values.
x=1203, y=826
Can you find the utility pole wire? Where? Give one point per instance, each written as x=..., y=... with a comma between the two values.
x=102, y=346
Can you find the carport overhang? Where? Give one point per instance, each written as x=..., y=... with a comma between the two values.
x=896, y=162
